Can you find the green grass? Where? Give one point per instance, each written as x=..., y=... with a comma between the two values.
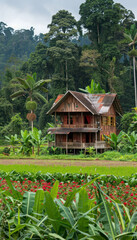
x=109, y=155
x=117, y=171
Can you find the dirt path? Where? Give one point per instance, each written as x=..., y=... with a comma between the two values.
x=83, y=163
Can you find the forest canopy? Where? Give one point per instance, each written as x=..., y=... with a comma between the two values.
x=70, y=54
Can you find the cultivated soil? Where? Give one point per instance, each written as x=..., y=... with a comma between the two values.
x=83, y=163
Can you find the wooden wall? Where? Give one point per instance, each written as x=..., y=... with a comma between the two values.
x=71, y=105
x=109, y=127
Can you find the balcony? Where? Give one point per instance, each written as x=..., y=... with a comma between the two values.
x=78, y=145
x=79, y=125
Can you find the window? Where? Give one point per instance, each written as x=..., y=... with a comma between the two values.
x=113, y=121
x=104, y=121
x=71, y=120
x=75, y=105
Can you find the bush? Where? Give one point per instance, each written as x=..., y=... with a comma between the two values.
x=55, y=150
x=6, y=150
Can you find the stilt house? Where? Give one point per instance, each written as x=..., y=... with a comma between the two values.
x=84, y=119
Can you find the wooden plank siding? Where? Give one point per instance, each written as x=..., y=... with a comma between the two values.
x=71, y=105
x=109, y=125
x=89, y=124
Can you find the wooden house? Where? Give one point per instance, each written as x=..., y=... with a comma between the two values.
x=84, y=119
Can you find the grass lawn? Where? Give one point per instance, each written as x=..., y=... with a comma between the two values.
x=117, y=171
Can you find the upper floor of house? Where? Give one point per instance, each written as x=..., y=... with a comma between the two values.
x=80, y=110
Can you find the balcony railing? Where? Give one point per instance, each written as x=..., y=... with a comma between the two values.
x=79, y=125
x=78, y=145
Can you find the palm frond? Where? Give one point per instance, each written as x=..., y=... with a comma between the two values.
x=135, y=38
x=43, y=89
x=39, y=96
x=30, y=81
x=23, y=82
x=18, y=94
x=17, y=85
x=128, y=37
x=40, y=83
x=83, y=90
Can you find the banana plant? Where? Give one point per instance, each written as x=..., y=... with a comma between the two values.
x=93, y=88
x=12, y=140
x=36, y=139
x=26, y=145
x=114, y=139
x=132, y=139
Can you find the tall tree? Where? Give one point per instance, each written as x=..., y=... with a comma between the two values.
x=131, y=36
x=62, y=51
x=104, y=20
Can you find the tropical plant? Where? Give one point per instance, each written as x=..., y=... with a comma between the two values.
x=12, y=140
x=36, y=139
x=132, y=141
x=30, y=87
x=93, y=88
x=113, y=140
x=133, y=125
x=90, y=151
x=131, y=37
x=41, y=215
x=26, y=145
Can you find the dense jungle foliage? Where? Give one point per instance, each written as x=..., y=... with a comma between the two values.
x=70, y=55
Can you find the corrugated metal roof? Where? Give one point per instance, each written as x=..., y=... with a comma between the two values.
x=83, y=98
x=58, y=98
x=95, y=103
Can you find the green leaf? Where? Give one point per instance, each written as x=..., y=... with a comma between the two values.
x=23, y=82
x=39, y=97
x=66, y=212
x=18, y=228
x=133, y=222
x=119, y=208
x=71, y=195
x=52, y=211
x=105, y=215
x=28, y=202
x=54, y=190
x=15, y=194
x=83, y=206
x=83, y=201
x=56, y=236
x=40, y=83
x=18, y=94
x=38, y=204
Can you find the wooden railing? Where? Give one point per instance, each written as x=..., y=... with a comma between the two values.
x=79, y=125
x=78, y=145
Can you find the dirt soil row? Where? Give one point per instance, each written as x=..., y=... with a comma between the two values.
x=83, y=163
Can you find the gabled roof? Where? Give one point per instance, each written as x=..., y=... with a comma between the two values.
x=97, y=104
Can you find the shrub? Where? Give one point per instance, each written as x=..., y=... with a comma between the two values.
x=6, y=150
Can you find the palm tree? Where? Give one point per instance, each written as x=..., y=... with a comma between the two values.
x=131, y=37
x=30, y=88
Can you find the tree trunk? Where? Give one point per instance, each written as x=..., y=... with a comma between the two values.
x=135, y=86
x=98, y=33
x=66, y=76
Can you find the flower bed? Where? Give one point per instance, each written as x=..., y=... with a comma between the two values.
x=122, y=191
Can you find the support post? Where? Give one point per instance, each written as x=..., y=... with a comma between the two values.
x=66, y=144
x=81, y=140
x=96, y=141
x=69, y=118
x=55, y=119
x=82, y=119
